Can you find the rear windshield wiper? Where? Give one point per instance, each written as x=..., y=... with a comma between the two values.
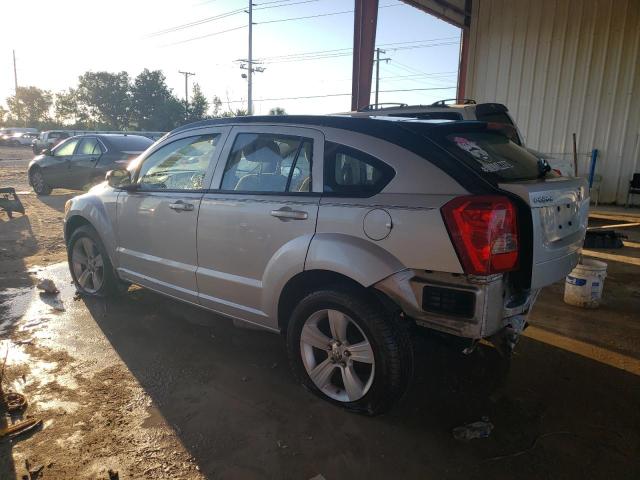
x=543, y=167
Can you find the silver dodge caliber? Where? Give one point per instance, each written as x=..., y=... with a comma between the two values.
x=344, y=234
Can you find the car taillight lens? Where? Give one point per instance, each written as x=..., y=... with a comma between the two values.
x=484, y=231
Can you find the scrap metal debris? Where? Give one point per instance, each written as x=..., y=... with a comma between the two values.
x=470, y=431
x=12, y=402
x=34, y=472
x=47, y=285
x=19, y=428
x=9, y=201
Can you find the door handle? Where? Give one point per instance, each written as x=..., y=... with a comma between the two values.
x=285, y=213
x=181, y=206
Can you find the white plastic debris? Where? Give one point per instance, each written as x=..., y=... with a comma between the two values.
x=47, y=285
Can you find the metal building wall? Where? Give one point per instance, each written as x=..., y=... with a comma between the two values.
x=564, y=66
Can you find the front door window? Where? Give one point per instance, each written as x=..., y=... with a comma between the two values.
x=179, y=165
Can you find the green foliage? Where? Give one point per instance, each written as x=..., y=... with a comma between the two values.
x=153, y=105
x=69, y=110
x=277, y=111
x=216, y=105
x=111, y=101
x=107, y=97
x=30, y=105
x=238, y=112
x=198, y=105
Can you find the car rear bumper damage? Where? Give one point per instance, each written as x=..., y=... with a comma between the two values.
x=458, y=304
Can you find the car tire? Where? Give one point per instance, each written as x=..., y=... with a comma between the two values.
x=89, y=264
x=36, y=179
x=343, y=370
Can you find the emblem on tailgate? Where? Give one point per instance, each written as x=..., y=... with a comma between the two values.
x=542, y=199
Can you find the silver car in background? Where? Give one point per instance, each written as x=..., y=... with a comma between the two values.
x=343, y=234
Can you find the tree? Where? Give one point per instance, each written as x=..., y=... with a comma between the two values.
x=238, y=112
x=3, y=115
x=30, y=104
x=107, y=97
x=277, y=111
x=69, y=110
x=198, y=106
x=217, y=106
x=153, y=104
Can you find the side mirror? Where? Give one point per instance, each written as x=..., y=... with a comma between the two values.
x=119, y=178
x=46, y=151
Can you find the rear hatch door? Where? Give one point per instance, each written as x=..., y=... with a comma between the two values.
x=559, y=206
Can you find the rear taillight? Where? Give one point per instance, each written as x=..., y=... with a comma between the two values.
x=484, y=232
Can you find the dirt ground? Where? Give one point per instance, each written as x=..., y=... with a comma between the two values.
x=152, y=388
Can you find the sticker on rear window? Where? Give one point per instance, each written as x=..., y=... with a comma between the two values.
x=481, y=155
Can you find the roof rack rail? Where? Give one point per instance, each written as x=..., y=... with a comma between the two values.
x=443, y=103
x=381, y=106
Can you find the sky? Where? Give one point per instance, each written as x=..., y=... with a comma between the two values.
x=55, y=42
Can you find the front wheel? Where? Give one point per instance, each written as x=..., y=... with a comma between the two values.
x=345, y=348
x=89, y=263
x=38, y=182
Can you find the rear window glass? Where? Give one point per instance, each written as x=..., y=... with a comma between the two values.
x=130, y=143
x=494, y=154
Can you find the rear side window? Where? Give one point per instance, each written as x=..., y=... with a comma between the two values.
x=350, y=172
x=88, y=146
x=495, y=155
x=271, y=163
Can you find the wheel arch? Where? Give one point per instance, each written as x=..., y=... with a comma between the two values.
x=73, y=223
x=309, y=281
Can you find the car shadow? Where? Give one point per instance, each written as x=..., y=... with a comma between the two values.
x=57, y=200
x=228, y=394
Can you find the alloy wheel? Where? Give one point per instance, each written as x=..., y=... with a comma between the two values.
x=88, y=265
x=37, y=180
x=337, y=355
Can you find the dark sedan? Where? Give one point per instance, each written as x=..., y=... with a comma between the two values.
x=79, y=162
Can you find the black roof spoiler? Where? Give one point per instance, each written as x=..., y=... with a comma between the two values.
x=489, y=108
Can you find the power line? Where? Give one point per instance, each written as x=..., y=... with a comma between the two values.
x=347, y=50
x=196, y=23
x=222, y=16
x=320, y=15
x=205, y=36
x=260, y=7
x=340, y=94
x=341, y=53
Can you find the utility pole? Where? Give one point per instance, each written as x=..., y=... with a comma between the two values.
x=15, y=83
x=377, y=60
x=247, y=63
x=186, y=92
x=250, y=62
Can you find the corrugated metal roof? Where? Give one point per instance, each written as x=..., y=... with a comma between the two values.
x=564, y=66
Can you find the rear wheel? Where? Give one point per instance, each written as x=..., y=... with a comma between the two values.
x=345, y=348
x=38, y=183
x=89, y=263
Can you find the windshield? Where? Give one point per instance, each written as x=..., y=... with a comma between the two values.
x=494, y=154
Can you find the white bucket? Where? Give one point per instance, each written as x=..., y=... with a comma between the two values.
x=583, y=286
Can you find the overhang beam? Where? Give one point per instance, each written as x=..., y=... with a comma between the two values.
x=365, y=21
